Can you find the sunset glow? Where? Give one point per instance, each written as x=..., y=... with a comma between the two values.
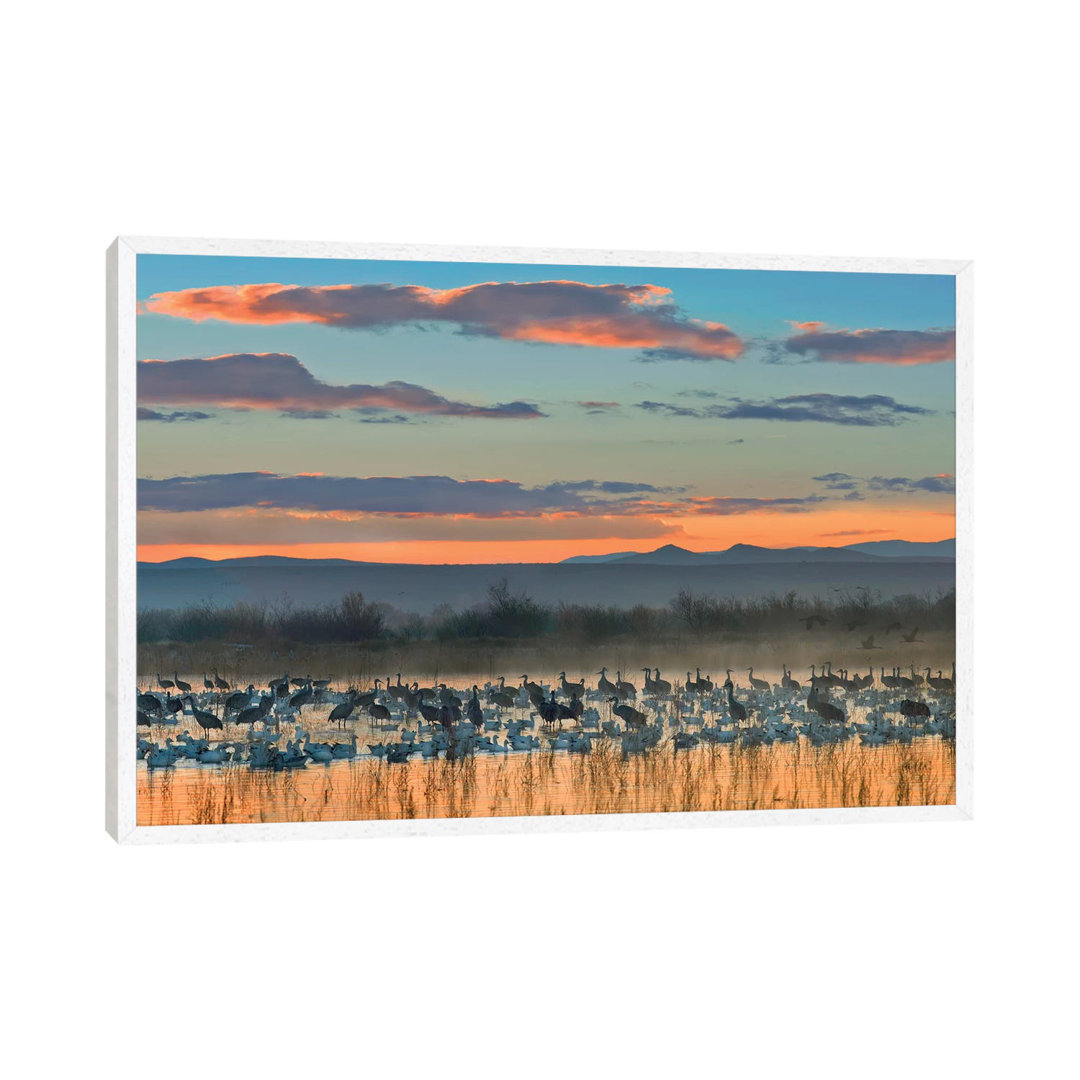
x=335, y=416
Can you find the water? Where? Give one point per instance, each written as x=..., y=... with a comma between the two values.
x=789, y=775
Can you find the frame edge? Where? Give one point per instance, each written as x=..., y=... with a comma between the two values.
x=119, y=535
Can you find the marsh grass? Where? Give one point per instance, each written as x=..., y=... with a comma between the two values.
x=732, y=778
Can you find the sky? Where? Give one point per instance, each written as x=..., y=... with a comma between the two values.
x=453, y=412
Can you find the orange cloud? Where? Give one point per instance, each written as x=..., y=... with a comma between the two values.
x=554, y=312
x=903, y=348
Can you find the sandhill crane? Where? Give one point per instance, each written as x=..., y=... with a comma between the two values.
x=939, y=683
x=149, y=703
x=473, y=709
x=448, y=697
x=868, y=643
x=378, y=712
x=628, y=714
x=903, y=681
x=302, y=698
x=165, y=684
x=914, y=708
x=604, y=684
x=656, y=686
x=208, y=684
x=704, y=686
x=254, y=713
x=365, y=699
x=431, y=713
x=911, y=638
x=219, y=682
x=340, y=713
x=625, y=690
x=206, y=720
x=183, y=687
x=787, y=682
x=535, y=692
x=396, y=691
x=531, y=687
x=758, y=684
x=548, y=708
x=571, y=688
x=825, y=709
x=502, y=697
x=411, y=698
x=735, y=708
x=889, y=681
x=240, y=700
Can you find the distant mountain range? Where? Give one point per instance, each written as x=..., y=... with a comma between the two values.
x=870, y=551
x=873, y=551
x=893, y=568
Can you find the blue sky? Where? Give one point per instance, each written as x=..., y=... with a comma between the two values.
x=693, y=419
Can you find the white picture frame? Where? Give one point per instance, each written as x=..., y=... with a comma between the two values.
x=121, y=673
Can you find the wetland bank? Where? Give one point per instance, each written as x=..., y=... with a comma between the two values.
x=485, y=736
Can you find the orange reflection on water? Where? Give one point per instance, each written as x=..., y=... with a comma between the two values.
x=782, y=776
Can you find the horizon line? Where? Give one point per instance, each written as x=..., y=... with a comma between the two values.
x=533, y=562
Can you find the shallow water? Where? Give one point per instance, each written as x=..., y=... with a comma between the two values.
x=709, y=777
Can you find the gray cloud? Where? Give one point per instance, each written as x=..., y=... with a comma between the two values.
x=875, y=346
x=438, y=495
x=385, y=494
x=279, y=381
x=943, y=484
x=838, y=481
x=857, y=486
x=657, y=356
x=872, y=410
x=309, y=414
x=727, y=506
x=142, y=413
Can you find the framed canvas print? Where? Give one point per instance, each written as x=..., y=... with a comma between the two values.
x=422, y=539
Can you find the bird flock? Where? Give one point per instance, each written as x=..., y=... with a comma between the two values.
x=405, y=721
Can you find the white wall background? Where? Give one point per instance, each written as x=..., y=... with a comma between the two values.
x=915, y=129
